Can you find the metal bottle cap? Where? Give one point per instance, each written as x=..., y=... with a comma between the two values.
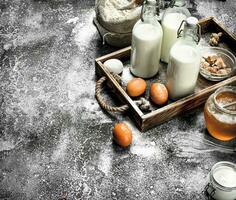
x=191, y=21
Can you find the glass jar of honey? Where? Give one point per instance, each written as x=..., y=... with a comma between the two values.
x=220, y=113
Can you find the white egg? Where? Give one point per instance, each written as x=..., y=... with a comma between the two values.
x=114, y=65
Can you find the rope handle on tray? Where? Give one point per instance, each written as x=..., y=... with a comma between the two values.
x=102, y=102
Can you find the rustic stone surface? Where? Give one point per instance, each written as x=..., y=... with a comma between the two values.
x=55, y=141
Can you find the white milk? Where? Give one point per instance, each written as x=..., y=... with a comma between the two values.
x=146, y=49
x=225, y=176
x=183, y=69
x=170, y=25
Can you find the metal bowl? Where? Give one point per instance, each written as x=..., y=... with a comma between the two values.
x=228, y=58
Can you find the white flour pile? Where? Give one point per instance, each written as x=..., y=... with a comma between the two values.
x=113, y=19
x=142, y=146
x=114, y=23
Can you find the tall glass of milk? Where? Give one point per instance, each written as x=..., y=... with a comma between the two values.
x=171, y=21
x=184, y=63
x=146, y=42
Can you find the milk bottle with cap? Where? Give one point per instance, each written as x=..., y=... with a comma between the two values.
x=146, y=42
x=184, y=63
x=171, y=21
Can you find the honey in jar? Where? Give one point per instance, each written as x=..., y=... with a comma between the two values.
x=220, y=113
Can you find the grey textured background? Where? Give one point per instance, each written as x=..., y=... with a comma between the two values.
x=55, y=141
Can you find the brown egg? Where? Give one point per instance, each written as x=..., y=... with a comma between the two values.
x=122, y=134
x=136, y=87
x=159, y=93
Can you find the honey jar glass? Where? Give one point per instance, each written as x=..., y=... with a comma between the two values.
x=220, y=113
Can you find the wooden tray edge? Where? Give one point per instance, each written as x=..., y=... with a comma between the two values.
x=188, y=103
x=136, y=112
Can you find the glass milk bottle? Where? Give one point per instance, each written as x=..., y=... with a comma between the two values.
x=184, y=63
x=171, y=21
x=146, y=42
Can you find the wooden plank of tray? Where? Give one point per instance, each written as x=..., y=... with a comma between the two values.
x=160, y=115
x=182, y=106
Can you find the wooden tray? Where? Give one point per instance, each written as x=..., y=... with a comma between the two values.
x=203, y=89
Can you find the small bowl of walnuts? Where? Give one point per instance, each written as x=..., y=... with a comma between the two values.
x=217, y=63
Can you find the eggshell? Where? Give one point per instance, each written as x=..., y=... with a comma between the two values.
x=136, y=87
x=114, y=65
x=158, y=93
x=122, y=134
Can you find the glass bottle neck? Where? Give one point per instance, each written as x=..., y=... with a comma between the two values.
x=150, y=10
x=190, y=34
x=180, y=3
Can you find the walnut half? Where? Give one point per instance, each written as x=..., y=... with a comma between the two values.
x=215, y=39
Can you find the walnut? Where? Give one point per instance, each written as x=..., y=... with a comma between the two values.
x=220, y=63
x=211, y=59
x=215, y=39
x=211, y=69
x=205, y=64
x=215, y=64
x=222, y=72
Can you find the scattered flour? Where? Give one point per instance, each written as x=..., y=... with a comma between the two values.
x=142, y=146
x=6, y=145
x=105, y=160
x=83, y=33
x=72, y=20
x=86, y=190
x=73, y=83
x=34, y=20
x=60, y=151
x=197, y=176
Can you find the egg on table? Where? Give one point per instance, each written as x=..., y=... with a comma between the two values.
x=158, y=93
x=136, y=87
x=114, y=65
x=122, y=134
